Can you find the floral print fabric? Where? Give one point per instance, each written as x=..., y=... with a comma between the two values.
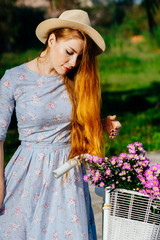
x=37, y=206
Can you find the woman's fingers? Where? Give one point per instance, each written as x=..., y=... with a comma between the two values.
x=114, y=133
x=111, y=126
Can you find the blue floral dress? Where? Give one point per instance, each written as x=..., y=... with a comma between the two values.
x=37, y=206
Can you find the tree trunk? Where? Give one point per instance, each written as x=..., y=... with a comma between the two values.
x=151, y=21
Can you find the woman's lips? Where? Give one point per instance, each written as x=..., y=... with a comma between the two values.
x=67, y=69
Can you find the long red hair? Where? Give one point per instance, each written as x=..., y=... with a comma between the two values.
x=83, y=86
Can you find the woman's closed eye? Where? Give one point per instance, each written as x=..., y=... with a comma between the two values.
x=69, y=53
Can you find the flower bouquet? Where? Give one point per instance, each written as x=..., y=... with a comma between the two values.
x=131, y=171
x=134, y=204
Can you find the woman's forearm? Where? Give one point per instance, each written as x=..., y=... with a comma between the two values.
x=1, y=161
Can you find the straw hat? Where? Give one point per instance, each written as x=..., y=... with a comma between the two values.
x=75, y=19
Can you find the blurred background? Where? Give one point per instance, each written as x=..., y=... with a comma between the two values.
x=129, y=68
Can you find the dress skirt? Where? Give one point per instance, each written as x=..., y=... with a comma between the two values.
x=39, y=207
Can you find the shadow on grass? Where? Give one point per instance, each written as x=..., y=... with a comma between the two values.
x=138, y=112
x=133, y=101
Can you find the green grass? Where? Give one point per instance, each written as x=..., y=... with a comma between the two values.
x=9, y=60
x=129, y=68
x=130, y=80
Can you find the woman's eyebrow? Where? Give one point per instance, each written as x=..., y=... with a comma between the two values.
x=75, y=50
x=72, y=49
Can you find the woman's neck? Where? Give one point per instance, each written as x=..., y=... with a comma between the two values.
x=42, y=66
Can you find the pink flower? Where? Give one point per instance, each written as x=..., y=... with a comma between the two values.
x=122, y=173
x=129, y=179
x=85, y=178
x=95, y=159
x=141, y=157
x=148, y=185
x=143, y=180
x=138, y=170
x=148, y=191
x=101, y=160
x=140, y=163
x=137, y=144
x=91, y=170
x=150, y=177
x=141, y=149
x=131, y=146
x=136, y=157
x=132, y=150
x=120, y=163
x=155, y=188
x=90, y=158
x=112, y=185
x=97, y=173
x=144, y=164
x=101, y=184
x=95, y=178
x=157, y=193
x=148, y=172
x=122, y=156
x=126, y=166
x=154, y=168
x=113, y=160
x=147, y=161
x=130, y=156
x=155, y=182
x=108, y=172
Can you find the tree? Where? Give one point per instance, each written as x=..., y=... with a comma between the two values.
x=121, y=6
x=6, y=24
x=17, y=26
x=151, y=7
x=63, y=4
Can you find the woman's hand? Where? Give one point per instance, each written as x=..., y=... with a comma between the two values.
x=1, y=192
x=111, y=126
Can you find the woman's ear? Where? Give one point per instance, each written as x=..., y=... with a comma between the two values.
x=51, y=40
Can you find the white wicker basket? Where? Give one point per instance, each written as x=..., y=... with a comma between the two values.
x=128, y=216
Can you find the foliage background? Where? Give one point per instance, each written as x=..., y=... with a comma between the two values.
x=129, y=70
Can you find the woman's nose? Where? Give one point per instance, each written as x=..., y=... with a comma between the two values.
x=73, y=61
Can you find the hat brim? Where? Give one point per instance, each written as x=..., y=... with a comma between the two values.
x=45, y=27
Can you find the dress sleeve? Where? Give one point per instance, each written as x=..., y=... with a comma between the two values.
x=7, y=103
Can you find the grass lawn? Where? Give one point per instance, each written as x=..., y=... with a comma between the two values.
x=130, y=80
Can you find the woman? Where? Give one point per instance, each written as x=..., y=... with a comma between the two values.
x=57, y=102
